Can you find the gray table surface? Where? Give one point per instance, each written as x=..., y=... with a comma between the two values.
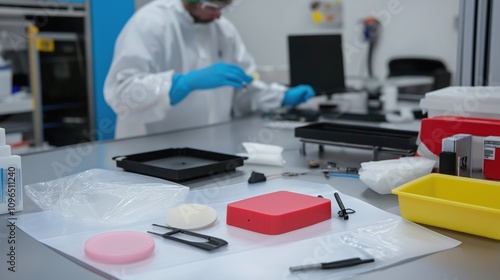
x=475, y=258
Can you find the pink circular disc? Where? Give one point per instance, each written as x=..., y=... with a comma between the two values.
x=120, y=247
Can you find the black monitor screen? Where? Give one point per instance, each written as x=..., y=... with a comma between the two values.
x=317, y=60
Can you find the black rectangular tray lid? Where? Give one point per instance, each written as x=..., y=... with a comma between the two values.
x=179, y=164
x=359, y=135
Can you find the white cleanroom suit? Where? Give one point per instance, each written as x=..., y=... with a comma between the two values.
x=161, y=39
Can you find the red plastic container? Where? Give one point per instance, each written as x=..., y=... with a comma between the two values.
x=278, y=212
x=491, y=164
x=434, y=130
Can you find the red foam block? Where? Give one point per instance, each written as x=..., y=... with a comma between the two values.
x=278, y=212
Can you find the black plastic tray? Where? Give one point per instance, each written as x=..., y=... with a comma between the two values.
x=179, y=164
x=359, y=135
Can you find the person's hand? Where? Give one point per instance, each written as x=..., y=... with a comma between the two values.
x=297, y=95
x=218, y=75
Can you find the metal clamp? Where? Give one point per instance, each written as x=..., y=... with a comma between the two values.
x=212, y=243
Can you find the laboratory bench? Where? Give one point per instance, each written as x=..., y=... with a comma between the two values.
x=475, y=258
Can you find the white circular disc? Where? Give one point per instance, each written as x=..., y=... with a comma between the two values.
x=191, y=216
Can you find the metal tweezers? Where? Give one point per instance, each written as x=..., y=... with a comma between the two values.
x=212, y=243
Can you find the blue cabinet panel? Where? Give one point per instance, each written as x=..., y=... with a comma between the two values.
x=108, y=18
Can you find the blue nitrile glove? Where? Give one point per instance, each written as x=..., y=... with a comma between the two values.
x=297, y=95
x=218, y=75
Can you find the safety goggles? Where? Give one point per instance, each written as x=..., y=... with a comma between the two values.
x=214, y=5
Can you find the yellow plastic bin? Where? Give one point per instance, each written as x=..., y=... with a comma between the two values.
x=452, y=202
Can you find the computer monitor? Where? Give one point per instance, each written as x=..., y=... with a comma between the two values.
x=317, y=60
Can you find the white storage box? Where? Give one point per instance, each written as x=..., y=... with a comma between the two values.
x=478, y=102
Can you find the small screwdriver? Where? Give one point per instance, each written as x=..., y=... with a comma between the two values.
x=331, y=265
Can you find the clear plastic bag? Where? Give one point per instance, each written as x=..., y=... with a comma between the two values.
x=384, y=175
x=108, y=197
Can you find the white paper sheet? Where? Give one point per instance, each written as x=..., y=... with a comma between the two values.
x=369, y=233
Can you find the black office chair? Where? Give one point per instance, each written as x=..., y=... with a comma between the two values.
x=421, y=67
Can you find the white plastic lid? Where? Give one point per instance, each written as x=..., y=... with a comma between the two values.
x=458, y=100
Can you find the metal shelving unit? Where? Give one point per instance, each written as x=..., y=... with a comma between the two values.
x=17, y=105
x=39, y=32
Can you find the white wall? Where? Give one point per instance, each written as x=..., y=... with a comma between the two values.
x=410, y=28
